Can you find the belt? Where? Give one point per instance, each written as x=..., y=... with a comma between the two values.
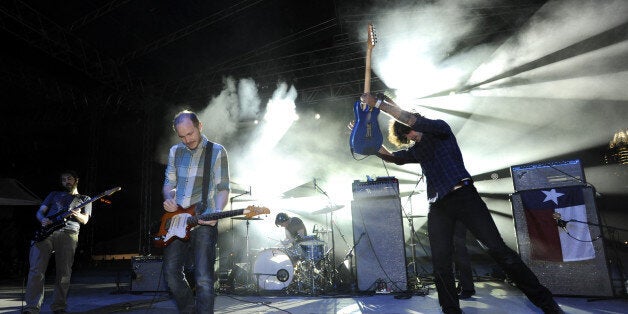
x=462, y=183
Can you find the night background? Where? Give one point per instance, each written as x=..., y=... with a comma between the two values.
x=93, y=86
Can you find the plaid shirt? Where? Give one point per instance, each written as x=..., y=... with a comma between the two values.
x=185, y=172
x=439, y=156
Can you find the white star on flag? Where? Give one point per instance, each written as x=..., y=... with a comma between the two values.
x=552, y=195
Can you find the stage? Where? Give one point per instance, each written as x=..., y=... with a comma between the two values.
x=107, y=291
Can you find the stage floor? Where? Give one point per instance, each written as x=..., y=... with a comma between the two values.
x=103, y=293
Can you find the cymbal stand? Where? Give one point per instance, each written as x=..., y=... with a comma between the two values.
x=333, y=243
x=248, y=258
x=417, y=284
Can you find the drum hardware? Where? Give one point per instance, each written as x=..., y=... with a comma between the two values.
x=247, y=248
x=330, y=210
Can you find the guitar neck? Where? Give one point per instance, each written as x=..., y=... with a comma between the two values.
x=215, y=216
x=367, y=72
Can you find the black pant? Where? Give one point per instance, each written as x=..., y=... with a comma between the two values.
x=465, y=205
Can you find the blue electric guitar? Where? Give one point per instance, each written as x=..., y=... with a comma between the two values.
x=366, y=137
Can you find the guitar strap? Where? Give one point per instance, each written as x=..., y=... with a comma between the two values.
x=209, y=154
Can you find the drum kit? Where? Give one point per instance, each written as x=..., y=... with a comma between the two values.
x=303, y=267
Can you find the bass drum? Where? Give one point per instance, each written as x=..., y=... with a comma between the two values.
x=273, y=269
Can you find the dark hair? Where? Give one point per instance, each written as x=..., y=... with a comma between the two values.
x=281, y=218
x=397, y=131
x=185, y=114
x=70, y=172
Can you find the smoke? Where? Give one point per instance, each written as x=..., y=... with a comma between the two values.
x=249, y=99
x=220, y=118
x=555, y=26
x=414, y=40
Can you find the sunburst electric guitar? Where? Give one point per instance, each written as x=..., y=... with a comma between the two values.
x=177, y=224
x=366, y=137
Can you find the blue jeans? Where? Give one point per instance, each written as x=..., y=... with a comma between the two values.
x=466, y=206
x=202, y=249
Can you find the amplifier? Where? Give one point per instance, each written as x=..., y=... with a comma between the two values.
x=380, y=187
x=147, y=274
x=547, y=175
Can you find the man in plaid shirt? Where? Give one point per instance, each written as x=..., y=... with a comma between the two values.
x=452, y=198
x=183, y=187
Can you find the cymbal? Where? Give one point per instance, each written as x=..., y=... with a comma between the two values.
x=328, y=209
x=245, y=218
x=417, y=216
x=322, y=231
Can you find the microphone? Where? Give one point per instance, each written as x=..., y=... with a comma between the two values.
x=559, y=222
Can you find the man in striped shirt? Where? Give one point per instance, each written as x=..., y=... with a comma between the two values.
x=183, y=187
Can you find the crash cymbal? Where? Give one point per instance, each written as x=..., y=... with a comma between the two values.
x=328, y=209
x=417, y=216
x=245, y=218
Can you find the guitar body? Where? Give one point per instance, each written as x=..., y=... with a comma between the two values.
x=159, y=239
x=177, y=224
x=366, y=136
x=58, y=220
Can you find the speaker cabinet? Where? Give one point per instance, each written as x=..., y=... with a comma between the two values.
x=147, y=274
x=380, y=255
x=578, y=278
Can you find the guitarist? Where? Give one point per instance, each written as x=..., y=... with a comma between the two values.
x=62, y=242
x=183, y=187
x=453, y=198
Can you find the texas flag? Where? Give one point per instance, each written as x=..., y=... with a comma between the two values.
x=548, y=241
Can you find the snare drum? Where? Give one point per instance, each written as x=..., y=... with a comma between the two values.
x=273, y=269
x=313, y=248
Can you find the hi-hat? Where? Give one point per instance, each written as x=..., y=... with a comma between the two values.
x=245, y=218
x=328, y=209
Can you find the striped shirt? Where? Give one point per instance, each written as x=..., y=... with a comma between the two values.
x=185, y=172
x=439, y=155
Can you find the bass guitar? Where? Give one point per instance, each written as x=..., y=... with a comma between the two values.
x=366, y=137
x=58, y=220
x=177, y=224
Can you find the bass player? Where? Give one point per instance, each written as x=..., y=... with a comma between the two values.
x=62, y=242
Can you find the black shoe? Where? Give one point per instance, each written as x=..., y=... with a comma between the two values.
x=553, y=310
x=465, y=294
x=59, y=312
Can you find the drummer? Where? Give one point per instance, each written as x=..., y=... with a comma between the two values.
x=294, y=228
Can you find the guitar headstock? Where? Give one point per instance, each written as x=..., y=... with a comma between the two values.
x=111, y=191
x=372, y=38
x=256, y=210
